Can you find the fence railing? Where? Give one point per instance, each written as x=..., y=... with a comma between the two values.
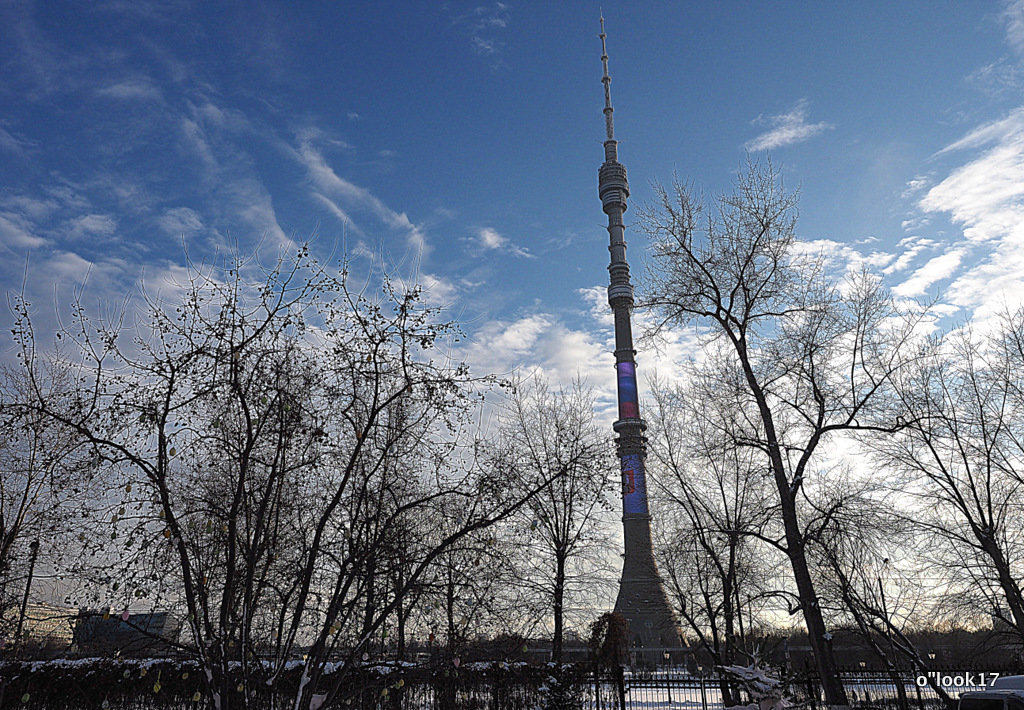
x=865, y=689
x=115, y=685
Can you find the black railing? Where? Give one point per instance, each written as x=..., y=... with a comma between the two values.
x=116, y=685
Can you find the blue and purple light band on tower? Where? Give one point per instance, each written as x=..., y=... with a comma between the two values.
x=629, y=408
x=634, y=485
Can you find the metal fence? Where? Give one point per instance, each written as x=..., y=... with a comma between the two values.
x=522, y=688
x=865, y=689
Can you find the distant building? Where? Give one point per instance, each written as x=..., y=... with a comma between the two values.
x=44, y=624
x=107, y=633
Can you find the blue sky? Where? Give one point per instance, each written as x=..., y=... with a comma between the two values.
x=463, y=138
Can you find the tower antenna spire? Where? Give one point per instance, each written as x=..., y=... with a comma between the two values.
x=609, y=124
x=642, y=599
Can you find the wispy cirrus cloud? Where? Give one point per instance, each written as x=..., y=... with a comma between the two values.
x=786, y=128
x=843, y=258
x=998, y=79
x=1013, y=16
x=36, y=56
x=485, y=25
x=215, y=142
x=333, y=188
x=12, y=143
x=437, y=290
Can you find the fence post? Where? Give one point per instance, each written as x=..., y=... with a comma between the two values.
x=620, y=680
x=812, y=693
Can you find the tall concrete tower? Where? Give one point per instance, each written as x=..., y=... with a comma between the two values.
x=642, y=600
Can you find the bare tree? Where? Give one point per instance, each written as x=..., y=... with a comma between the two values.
x=474, y=589
x=870, y=571
x=258, y=420
x=46, y=475
x=715, y=500
x=961, y=458
x=553, y=435
x=809, y=357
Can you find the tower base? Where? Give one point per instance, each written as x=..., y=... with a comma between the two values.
x=654, y=636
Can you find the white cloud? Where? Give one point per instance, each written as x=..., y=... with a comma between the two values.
x=998, y=79
x=30, y=207
x=915, y=186
x=915, y=223
x=484, y=46
x=985, y=197
x=253, y=205
x=437, y=290
x=546, y=344
x=131, y=89
x=786, y=128
x=993, y=285
x=341, y=215
x=68, y=267
x=985, y=194
x=596, y=298
x=91, y=225
x=108, y=279
x=539, y=341
x=936, y=269
x=15, y=233
x=490, y=239
x=237, y=199
x=843, y=258
x=913, y=247
x=32, y=52
x=195, y=141
x=179, y=221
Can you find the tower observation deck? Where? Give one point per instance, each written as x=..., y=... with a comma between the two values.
x=642, y=600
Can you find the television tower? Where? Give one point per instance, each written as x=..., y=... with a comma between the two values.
x=642, y=600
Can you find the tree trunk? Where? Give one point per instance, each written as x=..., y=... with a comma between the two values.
x=1011, y=590
x=401, y=632
x=556, y=643
x=835, y=694
x=371, y=599
x=726, y=654
x=449, y=608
